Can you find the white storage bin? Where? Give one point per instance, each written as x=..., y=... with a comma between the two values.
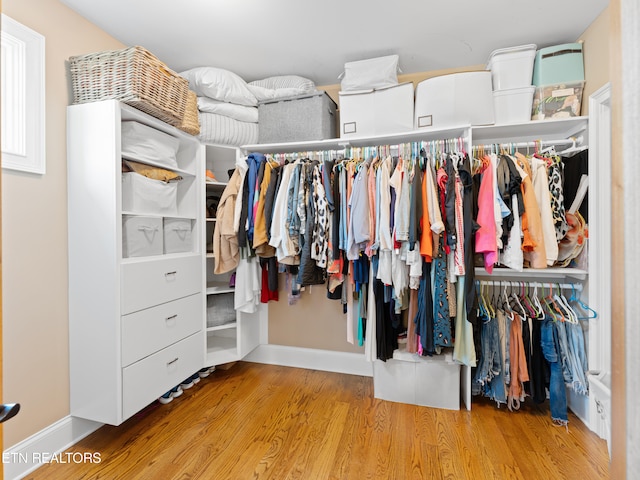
x=452, y=100
x=141, y=236
x=146, y=144
x=512, y=67
x=427, y=381
x=376, y=112
x=147, y=196
x=513, y=105
x=178, y=236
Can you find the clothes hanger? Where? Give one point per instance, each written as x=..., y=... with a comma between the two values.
x=549, y=309
x=573, y=317
x=573, y=149
x=490, y=309
x=554, y=306
x=526, y=302
x=505, y=303
x=565, y=311
x=590, y=312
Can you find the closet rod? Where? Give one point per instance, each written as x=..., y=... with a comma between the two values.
x=546, y=285
x=533, y=144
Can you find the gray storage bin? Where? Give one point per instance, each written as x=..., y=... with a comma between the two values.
x=307, y=117
x=220, y=309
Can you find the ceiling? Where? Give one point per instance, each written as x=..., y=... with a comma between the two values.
x=261, y=38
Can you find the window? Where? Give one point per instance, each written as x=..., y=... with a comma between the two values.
x=22, y=87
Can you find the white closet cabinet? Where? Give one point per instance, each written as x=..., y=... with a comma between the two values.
x=230, y=335
x=136, y=322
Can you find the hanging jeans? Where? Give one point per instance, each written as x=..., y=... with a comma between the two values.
x=489, y=378
x=557, y=392
x=575, y=338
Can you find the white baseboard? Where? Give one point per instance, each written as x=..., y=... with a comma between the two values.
x=311, y=358
x=31, y=453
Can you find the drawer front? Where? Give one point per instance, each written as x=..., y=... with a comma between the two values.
x=146, y=380
x=149, y=283
x=155, y=328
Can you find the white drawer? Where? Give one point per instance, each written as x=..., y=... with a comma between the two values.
x=152, y=329
x=149, y=283
x=146, y=380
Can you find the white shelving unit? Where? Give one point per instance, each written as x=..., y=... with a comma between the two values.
x=235, y=337
x=136, y=324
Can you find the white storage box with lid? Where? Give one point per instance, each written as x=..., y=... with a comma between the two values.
x=376, y=112
x=297, y=119
x=427, y=381
x=141, y=236
x=144, y=195
x=178, y=236
x=512, y=67
x=146, y=144
x=558, y=64
x=513, y=105
x=452, y=100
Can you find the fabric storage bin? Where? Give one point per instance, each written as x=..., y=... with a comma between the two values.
x=557, y=101
x=146, y=144
x=370, y=73
x=426, y=381
x=513, y=105
x=133, y=75
x=512, y=67
x=178, y=236
x=297, y=119
x=220, y=309
x=453, y=100
x=145, y=195
x=558, y=64
x=376, y=112
x=141, y=236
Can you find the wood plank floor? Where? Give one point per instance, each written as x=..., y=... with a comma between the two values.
x=269, y=422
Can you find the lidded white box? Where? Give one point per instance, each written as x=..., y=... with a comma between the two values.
x=178, y=236
x=513, y=105
x=148, y=196
x=376, y=111
x=141, y=236
x=409, y=378
x=512, y=67
x=147, y=144
x=456, y=99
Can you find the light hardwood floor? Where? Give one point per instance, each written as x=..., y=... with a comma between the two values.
x=268, y=422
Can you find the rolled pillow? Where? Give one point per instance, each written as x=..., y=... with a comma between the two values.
x=267, y=94
x=277, y=82
x=219, y=84
x=242, y=113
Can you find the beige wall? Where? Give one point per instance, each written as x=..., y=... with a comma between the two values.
x=34, y=242
x=596, y=56
x=313, y=322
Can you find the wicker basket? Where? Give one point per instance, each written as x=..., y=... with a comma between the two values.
x=191, y=122
x=133, y=76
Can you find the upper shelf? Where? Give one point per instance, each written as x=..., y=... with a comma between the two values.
x=365, y=141
x=517, y=132
x=529, y=131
